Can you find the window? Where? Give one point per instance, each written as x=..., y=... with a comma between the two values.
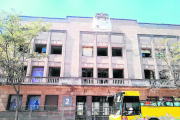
x=101, y=105
x=80, y=103
x=116, y=51
x=160, y=53
x=163, y=74
x=23, y=47
x=56, y=49
x=37, y=72
x=146, y=53
x=149, y=74
x=152, y=98
x=87, y=51
x=118, y=73
x=51, y=102
x=95, y=105
x=40, y=48
x=25, y=70
x=33, y=102
x=102, y=73
x=12, y=102
x=102, y=52
x=54, y=72
x=87, y=72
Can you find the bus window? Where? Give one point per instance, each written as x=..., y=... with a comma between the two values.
x=142, y=103
x=148, y=103
x=176, y=103
x=131, y=105
x=153, y=103
x=160, y=103
x=168, y=103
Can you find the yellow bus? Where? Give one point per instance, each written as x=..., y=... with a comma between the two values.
x=127, y=106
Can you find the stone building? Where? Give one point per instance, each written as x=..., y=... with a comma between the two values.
x=89, y=59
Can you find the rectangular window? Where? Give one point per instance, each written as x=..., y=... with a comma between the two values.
x=159, y=53
x=40, y=48
x=102, y=73
x=102, y=51
x=33, y=102
x=87, y=51
x=56, y=49
x=25, y=70
x=100, y=103
x=149, y=74
x=54, y=72
x=152, y=98
x=37, y=72
x=87, y=72
x=12, y=102
x=163, y=74
x=118, y=73
x=51, y=102
x=81, y=103
x=146, y=53
x=23, y=48
x=117, y=52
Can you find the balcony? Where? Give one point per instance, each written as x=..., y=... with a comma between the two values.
x=90, y=81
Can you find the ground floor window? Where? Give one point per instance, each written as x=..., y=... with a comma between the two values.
x=80, y=105
x=12, y=102
x=51, y=102
x=33, y=102
x=101, y=106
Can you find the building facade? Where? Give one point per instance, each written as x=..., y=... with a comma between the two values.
x=90, y=58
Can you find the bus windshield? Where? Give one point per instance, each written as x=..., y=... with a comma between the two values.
x=131, y=106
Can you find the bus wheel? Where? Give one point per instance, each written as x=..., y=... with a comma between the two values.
x=153, y=119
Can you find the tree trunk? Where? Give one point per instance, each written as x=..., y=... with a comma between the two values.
x=17, y=102
x=17, y=107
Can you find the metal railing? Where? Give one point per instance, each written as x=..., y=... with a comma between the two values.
x=91, y=81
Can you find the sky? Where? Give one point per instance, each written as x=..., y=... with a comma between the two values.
x=146, y=11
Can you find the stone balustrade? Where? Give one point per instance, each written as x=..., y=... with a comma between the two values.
x=91, y=81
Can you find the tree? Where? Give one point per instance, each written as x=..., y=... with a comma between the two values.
x=169, y=74
x=15, y=44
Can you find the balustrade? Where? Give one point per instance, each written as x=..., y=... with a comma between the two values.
x=91, y=81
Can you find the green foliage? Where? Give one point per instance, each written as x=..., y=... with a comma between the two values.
x=16, y=41
x=171, y=58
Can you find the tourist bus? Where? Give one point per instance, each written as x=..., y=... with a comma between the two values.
x=127, y=106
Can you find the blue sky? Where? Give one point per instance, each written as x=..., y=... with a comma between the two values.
x=147, y=11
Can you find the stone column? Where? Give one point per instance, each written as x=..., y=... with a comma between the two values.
x=95, y=57
x=63, y=54
x=24, y=99
x=89, y=108
x=48, y=47
x=42, y=102
x=110, y=56
x=124, y=54
x=154, y=57
x=29, y=64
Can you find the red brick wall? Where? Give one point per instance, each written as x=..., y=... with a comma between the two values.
x=77, y=91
